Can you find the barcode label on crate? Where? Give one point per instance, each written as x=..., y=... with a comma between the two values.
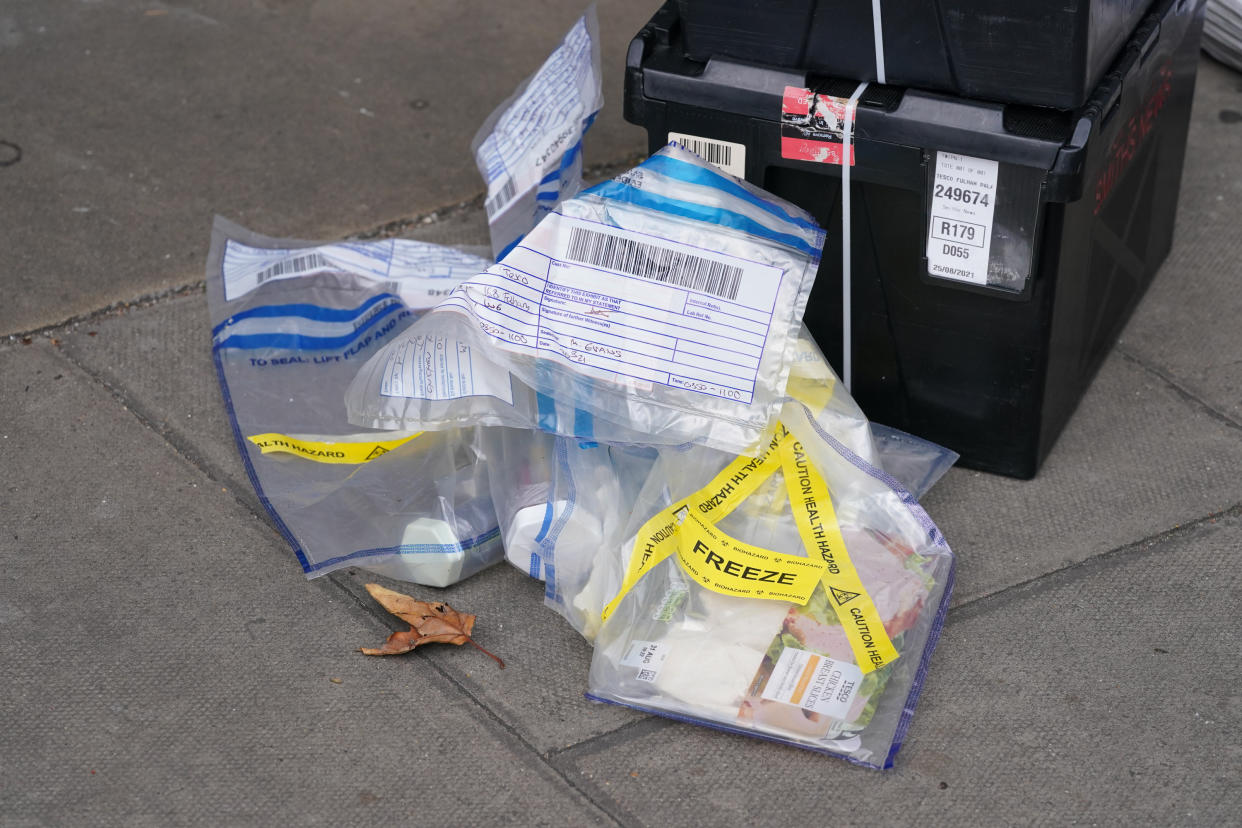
x=649, y=261
x=729, y=156
x=297, y=266
x=502, y=199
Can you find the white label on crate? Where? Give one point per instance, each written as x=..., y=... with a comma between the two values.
x=727, y=155
x=647, y=656
x=813, y=682
x=959, y=236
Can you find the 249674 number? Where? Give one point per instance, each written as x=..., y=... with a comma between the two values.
x=962, y=194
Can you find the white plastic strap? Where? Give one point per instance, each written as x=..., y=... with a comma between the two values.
x=847, y=137
x=877, y=27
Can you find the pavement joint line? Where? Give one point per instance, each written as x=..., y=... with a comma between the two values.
x=1177, y=388
x=627, y=732
x=386, y=230
x=565, y=758
x=1086, y=567
x=117, y=308
x=395, y=227
x=182, y=448
x=386, y=619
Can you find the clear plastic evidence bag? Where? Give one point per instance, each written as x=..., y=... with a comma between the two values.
x=291, y=324
x=662, y=307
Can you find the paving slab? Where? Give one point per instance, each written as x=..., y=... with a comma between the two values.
x=137, y=120
x=540, y=692
x=157, y=358
x=1187, y=326
x=1137, y=458
x=1103, y=695
x=166, y=663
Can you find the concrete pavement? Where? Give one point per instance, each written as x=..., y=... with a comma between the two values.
x=138, y=120
x=168, y=664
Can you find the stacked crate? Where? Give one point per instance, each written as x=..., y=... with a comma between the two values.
x=997, y=179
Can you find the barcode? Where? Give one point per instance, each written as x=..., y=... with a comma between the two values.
x=659, y=264
x=298, y=264
x=727, y=155
x=646, y=675
x=501, y=198
x=713, y=152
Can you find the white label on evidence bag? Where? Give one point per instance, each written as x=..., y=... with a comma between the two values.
x=420, y=273
x=438, y=368
x=813, y=682
x=629, y=307
x=647, y=656
x=727, y=155
x=541, y=124
x=959, y=237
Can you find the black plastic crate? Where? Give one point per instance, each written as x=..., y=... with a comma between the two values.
x=1049, y=53
x=988, y=354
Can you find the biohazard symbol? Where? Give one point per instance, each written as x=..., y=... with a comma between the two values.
x=843, y=596
x=376, y=452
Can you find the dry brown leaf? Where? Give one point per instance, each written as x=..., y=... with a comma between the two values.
x=430, y=623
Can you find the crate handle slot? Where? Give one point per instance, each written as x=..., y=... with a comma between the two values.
x=1114, y=103
x=1149, y=46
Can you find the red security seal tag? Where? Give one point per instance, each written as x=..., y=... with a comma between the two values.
x=813, y=127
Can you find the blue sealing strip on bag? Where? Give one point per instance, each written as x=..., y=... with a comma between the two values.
x=618, y=191
x=316, y=313
x=301, y=342
x=547, y=412
x=584, y=425
x=547, y=546
x=691, y=174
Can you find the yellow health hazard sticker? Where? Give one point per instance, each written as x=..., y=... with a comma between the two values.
x=326, y=451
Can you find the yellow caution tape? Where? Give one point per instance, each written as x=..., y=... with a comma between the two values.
x=326, y=451
x=729, y=566
x=811, y=381
x=821, y=534
x=657, y=539
x=813, y=393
